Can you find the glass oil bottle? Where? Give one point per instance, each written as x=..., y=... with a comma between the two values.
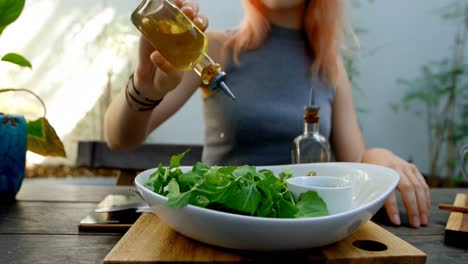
x=178, y=40
x=310, y=146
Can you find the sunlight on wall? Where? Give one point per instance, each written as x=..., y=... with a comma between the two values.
x=82, y=80
x=73, y=57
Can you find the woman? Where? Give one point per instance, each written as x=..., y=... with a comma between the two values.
x=283, y=51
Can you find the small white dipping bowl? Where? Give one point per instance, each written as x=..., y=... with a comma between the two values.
x=336, y=192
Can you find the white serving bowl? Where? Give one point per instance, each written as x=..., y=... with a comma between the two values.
x=371, y=185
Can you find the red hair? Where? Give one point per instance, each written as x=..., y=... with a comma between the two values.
x=323, y=23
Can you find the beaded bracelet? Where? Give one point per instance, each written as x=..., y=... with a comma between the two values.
x=143, y=103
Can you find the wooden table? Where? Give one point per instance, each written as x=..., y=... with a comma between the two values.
x=41, y=227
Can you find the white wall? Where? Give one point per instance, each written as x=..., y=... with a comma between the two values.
x=405, y=33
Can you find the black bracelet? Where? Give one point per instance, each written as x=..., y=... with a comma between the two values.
x=131, y=105
x=145, y=103
x=140, y=94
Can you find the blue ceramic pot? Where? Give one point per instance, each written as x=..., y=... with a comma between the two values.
x=12, y=155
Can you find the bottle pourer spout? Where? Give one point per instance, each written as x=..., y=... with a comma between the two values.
x=226, y=90
x=218, y=82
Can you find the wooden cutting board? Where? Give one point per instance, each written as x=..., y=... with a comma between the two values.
x=150, y=240
x=456, y=230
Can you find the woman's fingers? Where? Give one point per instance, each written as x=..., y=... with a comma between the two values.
x=423, y=183
x=414, y=192
x=162, y=64
x=391, y=207
x=191, y=8
x=144, y=67
x=422, y=193
x=167, y=77
x=411, y=197
x=412, y=186
x=178, y=3
x=201, y=22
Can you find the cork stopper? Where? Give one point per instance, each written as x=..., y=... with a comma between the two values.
x=311, y=114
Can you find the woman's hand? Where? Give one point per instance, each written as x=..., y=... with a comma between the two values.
x=412, y=186
x=154, y=75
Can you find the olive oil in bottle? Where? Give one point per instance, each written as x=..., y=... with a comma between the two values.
x=178, y=40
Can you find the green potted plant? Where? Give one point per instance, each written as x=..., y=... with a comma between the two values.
x=16, y=133
x=439, y=95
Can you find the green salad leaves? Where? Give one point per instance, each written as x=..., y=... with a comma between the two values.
x=235, y=189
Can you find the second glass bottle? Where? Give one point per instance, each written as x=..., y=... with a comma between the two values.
x=310, y=146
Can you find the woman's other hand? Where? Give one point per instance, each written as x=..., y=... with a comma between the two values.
x=155, y=75
x=412, y=186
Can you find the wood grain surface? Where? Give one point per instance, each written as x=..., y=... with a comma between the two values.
x=456, y=230
x=150, y=240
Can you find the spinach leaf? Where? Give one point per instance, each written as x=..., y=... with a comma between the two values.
x=311, y=205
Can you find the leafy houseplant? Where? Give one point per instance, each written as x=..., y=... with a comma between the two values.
x=442, y=91
x=16, y=134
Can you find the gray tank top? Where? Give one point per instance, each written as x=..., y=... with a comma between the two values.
x=272, y=85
